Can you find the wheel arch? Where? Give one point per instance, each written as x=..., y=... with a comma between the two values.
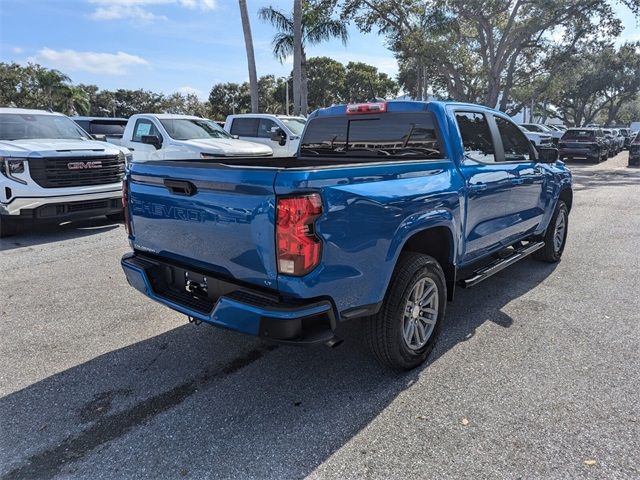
x=437, y=242
x=566, y=195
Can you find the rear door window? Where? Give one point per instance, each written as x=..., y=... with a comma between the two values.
x=517, y=147
x=245, y=127
x=107, y=128
x=476, y=136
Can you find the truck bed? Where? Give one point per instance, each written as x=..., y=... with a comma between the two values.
x=287, y=163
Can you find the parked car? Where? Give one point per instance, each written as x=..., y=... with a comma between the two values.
x=634, y=151
x=544, y=130
x=280, y=132
x=387, y=208
x=537, y=138
x=626, y=133
x=613, y=141
x=585, y=143
x=51, y=170
x=619, y=137
x=102, y=128
x=183, y=137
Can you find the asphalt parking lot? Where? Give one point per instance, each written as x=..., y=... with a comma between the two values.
x=536, y=375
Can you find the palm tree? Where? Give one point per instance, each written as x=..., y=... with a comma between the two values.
x=298, y=95
x=251, y=59
x=76, y=100
x=317, y=26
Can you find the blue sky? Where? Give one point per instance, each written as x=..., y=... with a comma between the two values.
x=165, y=45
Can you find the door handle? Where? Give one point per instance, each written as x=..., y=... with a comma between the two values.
x=517, y=181
x=180, y=187
x=476, y=187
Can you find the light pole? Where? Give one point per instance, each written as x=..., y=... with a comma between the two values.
x=286, y=94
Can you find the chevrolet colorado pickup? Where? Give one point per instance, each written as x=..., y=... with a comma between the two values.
x=387, y=207
x=52, y=171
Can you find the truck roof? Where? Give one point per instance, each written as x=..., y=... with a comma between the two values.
x=80, y=117
x=264, y=115
x=28, y=111
x=399, y=106
x=168, y=116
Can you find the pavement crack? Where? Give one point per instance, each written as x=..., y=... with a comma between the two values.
x=48, y=463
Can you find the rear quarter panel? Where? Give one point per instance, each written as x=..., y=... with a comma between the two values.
x=369, y=212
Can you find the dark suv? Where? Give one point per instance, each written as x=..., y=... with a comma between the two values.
x=588, y=143
x=102, y=128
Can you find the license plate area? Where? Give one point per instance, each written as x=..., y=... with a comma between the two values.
x=171, y=280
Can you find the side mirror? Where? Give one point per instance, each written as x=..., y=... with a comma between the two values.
x=547, y=155
x=152, y=140
x=100, y=137
x=279, y=136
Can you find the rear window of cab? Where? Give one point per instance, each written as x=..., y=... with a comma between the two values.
x=399, y=135
x=579, y=134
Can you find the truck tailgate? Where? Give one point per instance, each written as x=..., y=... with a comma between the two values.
x=206, y=215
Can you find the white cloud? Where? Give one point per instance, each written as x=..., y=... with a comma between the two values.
x=93, y=62
x=17, y=50
x=139, y=10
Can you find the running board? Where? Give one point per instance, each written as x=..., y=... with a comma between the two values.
x=496, y=266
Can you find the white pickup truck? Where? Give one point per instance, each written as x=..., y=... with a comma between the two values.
x=183, y=137
x=280, y=132
x=51, y=170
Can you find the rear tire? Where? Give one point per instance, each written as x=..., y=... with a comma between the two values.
x=8, y=227
x=403, y=333
x=555, y=237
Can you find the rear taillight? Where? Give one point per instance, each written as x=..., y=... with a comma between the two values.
x=298, y=247
x=125, y=201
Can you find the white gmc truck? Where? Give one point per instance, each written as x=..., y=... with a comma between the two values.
x=52, y=170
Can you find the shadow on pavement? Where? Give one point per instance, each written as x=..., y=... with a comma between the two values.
x=39, y=234
x=200, y=400
x=585, y=179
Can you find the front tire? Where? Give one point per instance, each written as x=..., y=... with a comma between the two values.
x=555, y=237
x=403, y=333
x=8, y=227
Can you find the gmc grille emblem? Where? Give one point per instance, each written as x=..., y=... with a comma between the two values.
x=84, y=165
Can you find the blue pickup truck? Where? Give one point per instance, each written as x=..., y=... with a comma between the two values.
x=386, y=209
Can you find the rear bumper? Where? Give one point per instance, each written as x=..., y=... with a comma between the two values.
x=232, y=306
x=578, y=152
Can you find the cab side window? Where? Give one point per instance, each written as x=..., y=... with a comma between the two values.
x=266, y=127
x=476, y=136
x=144, y=127
x=516, y=145
x=245, y=127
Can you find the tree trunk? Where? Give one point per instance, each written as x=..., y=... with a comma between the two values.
x=419, y=71
x=251, y=59
x=297, y=57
